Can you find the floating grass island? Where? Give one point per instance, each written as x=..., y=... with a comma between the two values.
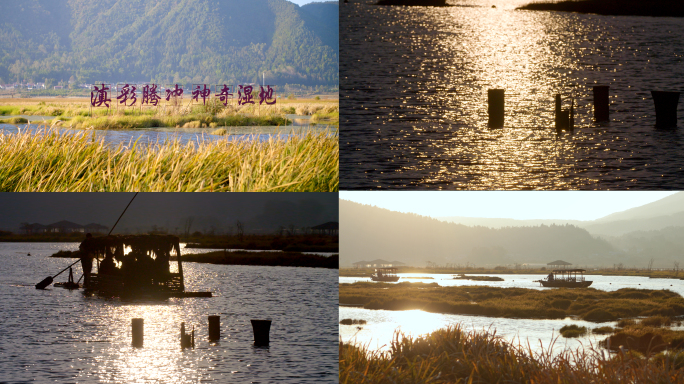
x=478, y=278
x=669, y=8
x=586, y=303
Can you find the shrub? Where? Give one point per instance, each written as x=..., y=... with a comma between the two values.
x=603, y=330
x=573, y=331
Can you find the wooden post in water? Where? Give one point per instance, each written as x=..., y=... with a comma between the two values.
x=180, y=266
x=571, y=124
x=601, y=110
x=564, y=119
x=666, y=108
x=137, y=331
x=214, y=328
x=261, y=332
x=557, y=114
x=495, y=102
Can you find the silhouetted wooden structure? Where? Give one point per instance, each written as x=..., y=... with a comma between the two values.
x=565, y=278
x=385, y=274
x=330, y=228
x=134, y=265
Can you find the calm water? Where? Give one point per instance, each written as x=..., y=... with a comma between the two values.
x=61, y=336
x=414, y=98
x=540, y=334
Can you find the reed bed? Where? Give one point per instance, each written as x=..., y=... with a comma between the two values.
x=51, y=161
x=586, y=303
x=453, y=355
x=78, y=114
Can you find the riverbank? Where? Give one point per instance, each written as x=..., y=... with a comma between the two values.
x=452, y=355
x=49, y=161
x=664, y=8
x=587, y=303
x=654, y=274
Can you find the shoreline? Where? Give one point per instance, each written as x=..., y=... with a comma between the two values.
x=654, y=8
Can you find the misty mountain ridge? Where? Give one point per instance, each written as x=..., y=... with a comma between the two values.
x=666, y=212
x=170, y=41
x=369, y=232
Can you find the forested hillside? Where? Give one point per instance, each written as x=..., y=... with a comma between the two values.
x=184, y=41
x=369, y=233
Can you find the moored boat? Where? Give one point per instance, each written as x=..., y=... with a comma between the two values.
x=385, y=274
x=565, y=278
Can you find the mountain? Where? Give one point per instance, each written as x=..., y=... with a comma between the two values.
x=664, y=213
x=369, y=233
x=169, y=41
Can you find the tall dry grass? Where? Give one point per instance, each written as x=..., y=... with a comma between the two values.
x=52, y=161
x=453, y=355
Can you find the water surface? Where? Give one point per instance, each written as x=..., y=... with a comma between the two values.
x=414, y=98
x=539, y=334
x=58, y=335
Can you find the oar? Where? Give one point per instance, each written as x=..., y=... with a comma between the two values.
x=48, y=280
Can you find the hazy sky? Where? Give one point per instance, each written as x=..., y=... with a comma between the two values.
x=522, y=205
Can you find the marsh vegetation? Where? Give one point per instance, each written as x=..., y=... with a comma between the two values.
x=76, y=113
x=453, y=355
x=586, y=303
x=52, y=161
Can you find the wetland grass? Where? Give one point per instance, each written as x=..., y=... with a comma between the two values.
x=585, y=303
x=76, y=113
x=452, y=355
x=50, y=161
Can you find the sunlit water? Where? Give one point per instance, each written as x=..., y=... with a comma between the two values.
x=414, y=98
x=538, y=334
x=61, y=336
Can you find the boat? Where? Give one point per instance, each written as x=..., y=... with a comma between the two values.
x=565, y=278
x=385, y=274
x=134, y=266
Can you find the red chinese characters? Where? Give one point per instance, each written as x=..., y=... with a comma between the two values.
x=223, y=96
x=173, y=92
x=127, y=93
x=99, y=96
x=245, y=94
x=266, y=96
x=150, y=95
x=203, y=93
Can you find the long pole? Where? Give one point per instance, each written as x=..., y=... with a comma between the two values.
x=48, y=280
x=122, y=213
